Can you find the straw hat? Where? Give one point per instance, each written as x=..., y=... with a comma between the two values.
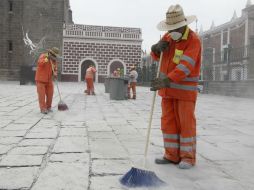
x=175, y=19
x=55, y=51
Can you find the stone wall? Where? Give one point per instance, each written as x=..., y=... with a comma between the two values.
x=40, y=18
x=230, y=88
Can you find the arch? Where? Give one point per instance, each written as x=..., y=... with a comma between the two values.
x=87, y=61
x=116, y=63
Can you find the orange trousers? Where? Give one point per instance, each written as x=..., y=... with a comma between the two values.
x=89, y=85
x=132, y=86
x=178, y=125
x=45, y=94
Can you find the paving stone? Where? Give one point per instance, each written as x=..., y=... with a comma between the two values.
x=4, y=122
x=21, y=160
x=5, y=148
x=73, y=132
x=70, y=144
x=70, y=157
x=110, y=166
x=99, y=127
x=9, y=140
x=4, y=133
x=47, y=134
x=29, y=150
x=107, y=148
x=17, y=127
x=36, y=142
x=102, y=135
x=105, y=182
x=59, y=176
x=17, y=178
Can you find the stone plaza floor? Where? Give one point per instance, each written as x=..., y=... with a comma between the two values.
x=95, y=142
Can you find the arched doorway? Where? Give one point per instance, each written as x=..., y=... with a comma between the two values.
x=114, y=64
x=84, y=66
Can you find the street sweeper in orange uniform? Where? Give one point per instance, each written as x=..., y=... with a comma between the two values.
x=178, y=87
x=45, y=73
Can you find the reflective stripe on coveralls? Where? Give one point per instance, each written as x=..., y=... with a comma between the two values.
x=178, y=125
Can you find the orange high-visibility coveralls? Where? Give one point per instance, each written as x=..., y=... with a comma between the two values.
x=89, y=80
x=181, y=63
x=44, y=82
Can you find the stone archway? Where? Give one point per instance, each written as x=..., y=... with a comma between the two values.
x=83, y=65
x=114, y=64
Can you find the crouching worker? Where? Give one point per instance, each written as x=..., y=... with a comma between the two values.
x=45, y=73
x=178, y=87
x=132, y=83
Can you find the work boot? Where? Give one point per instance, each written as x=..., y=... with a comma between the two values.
x=44, y=111
x=164, y=160
x=93, y=93
x=185, y=165
x=49, y=110
x=134, y=97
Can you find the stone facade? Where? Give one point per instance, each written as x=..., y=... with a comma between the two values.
x=105, y=47
x=37, y=17
x=228, y=56
x=227, y=48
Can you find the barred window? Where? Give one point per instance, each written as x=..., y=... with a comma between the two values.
x=10, y=6
x=10, y=46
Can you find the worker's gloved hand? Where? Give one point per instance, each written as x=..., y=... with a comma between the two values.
x=160, y=46
x=159, y=83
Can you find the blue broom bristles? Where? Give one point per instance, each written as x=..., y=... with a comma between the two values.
x=140, y=178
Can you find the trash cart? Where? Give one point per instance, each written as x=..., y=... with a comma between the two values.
x=107, y=84
x=27, y=74
x=118, y=88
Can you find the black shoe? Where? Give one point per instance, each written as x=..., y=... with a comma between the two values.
x=164, y=161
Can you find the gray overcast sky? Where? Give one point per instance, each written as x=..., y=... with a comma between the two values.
x=146, y=14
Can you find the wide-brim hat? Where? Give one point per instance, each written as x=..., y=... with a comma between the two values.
x=175, y=19
x=55, y=51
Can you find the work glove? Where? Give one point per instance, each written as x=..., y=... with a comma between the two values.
x=159, y=83
x=160, y=46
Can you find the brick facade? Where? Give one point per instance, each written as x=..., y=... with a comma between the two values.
x=105, y=47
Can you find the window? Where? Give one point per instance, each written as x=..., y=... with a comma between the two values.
x=10, y=46
x=10, y=6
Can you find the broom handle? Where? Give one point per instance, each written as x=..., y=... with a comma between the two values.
x=58, y=90
x=152, y=109
x=56, y=83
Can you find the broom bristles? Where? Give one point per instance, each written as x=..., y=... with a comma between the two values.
x=62, y=106
x=141, y=178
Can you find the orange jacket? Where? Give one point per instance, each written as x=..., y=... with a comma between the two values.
x=181, y=63
x=90, y=72
x=44, y=71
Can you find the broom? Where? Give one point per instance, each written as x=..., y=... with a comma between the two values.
x=136, y=177
x=61, y=105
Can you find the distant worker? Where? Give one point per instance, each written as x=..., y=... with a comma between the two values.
x=45, y=72
x=180, y=48
x=132, y=83
x=117, y=72
x=89, y=77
